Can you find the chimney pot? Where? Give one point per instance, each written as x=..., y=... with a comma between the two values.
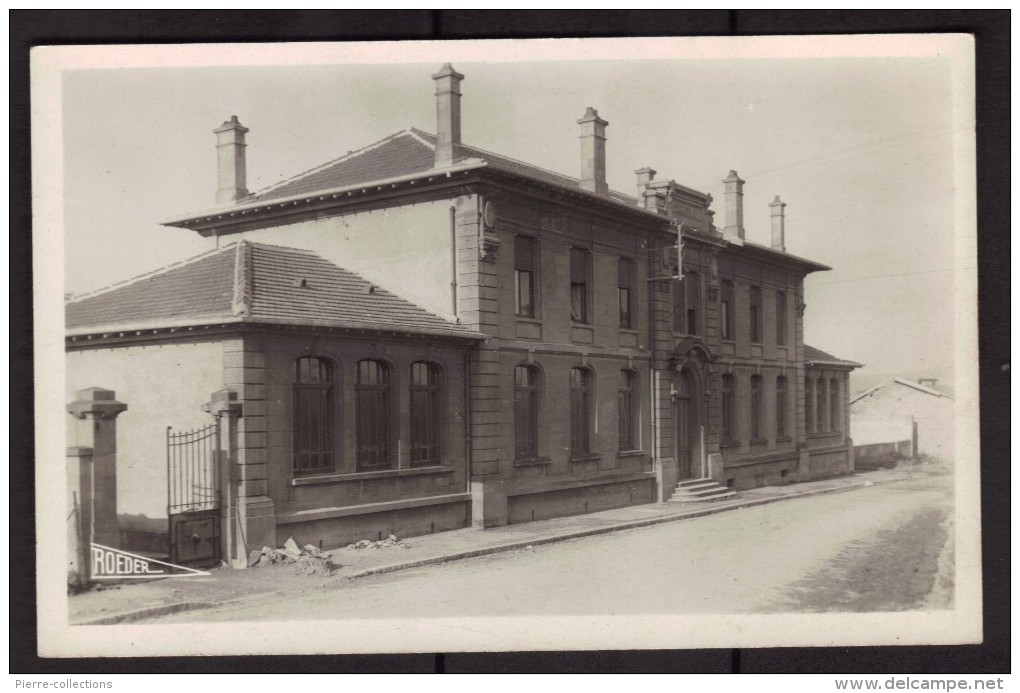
x=777, y=208
x=231, y=164
x=593, y=152
x=734, y=206
x=447, y=115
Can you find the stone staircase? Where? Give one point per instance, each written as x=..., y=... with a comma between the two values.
x=700, y=491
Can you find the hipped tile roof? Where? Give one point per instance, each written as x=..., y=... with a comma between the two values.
x=812, y=355
x=407, y=152
x=257, y=283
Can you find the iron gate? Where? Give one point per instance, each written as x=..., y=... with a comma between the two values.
x=193, y=495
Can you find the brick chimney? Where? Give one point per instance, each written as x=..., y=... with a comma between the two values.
x=231, y=176
x=734, y=206
x=593, y=152
x=778, y=224
x=447, y=115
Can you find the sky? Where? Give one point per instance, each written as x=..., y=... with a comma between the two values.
x=862, y=139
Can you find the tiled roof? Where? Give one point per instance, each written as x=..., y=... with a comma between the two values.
x=812, y=355
x=394, y=156
x=407, y=152
x=198, y=288
x=259, y=283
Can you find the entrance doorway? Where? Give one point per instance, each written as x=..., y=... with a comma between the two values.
x=688, y=427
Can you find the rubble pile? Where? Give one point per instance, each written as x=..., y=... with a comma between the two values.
x=308, y=561
x=389, y=542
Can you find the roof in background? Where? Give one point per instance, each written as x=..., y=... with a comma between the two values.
x=254, y=283
x=900, y=381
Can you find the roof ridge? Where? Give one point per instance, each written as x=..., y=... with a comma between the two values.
x=147, y=275
x=240, y=304
x=417, y=134
x=349, y=155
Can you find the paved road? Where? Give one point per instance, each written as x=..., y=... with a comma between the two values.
x=877, y=548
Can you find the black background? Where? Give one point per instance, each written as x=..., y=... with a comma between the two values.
x=991, y=31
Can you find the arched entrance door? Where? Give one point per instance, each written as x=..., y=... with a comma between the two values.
x=688, y=427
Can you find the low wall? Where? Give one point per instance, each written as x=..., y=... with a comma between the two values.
x=577, y=501
x=333, y=532
x=881, y=455
x=776, y=472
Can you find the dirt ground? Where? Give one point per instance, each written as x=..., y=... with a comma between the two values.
x=225, y=585
x=877, y=549
x=894, y=571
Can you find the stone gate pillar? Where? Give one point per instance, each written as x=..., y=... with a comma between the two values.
x=97, y=408
x=224, y=406
x=79, y=516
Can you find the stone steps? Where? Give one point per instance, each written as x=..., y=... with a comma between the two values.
x=700, y=491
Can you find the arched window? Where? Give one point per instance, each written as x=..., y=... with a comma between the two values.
x=757, y=413
x=373, y=415
x=580, y=411
x=626, y=406
x=729, y=422
x=313, y=416
x=781, y=407
x=834, y=408
x=425, y=414
x=821, y=408
x=526, y=383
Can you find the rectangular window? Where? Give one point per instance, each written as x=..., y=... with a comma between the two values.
x=687, y=303
x=625, y=405
x=834, y=409
x=728, y=411
x=679, y=303
x=809, y=405
x=756, y=408
x=781, y=328
x=580, y=411
x=693, y=296
x=525, y=412
x=524, y=276
x=726, y=310
x=625, y=283
x=755, y=314
x=580, y=273
x=781, y=407
x=821, y=409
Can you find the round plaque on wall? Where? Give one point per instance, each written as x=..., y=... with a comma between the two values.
x=489, y=215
